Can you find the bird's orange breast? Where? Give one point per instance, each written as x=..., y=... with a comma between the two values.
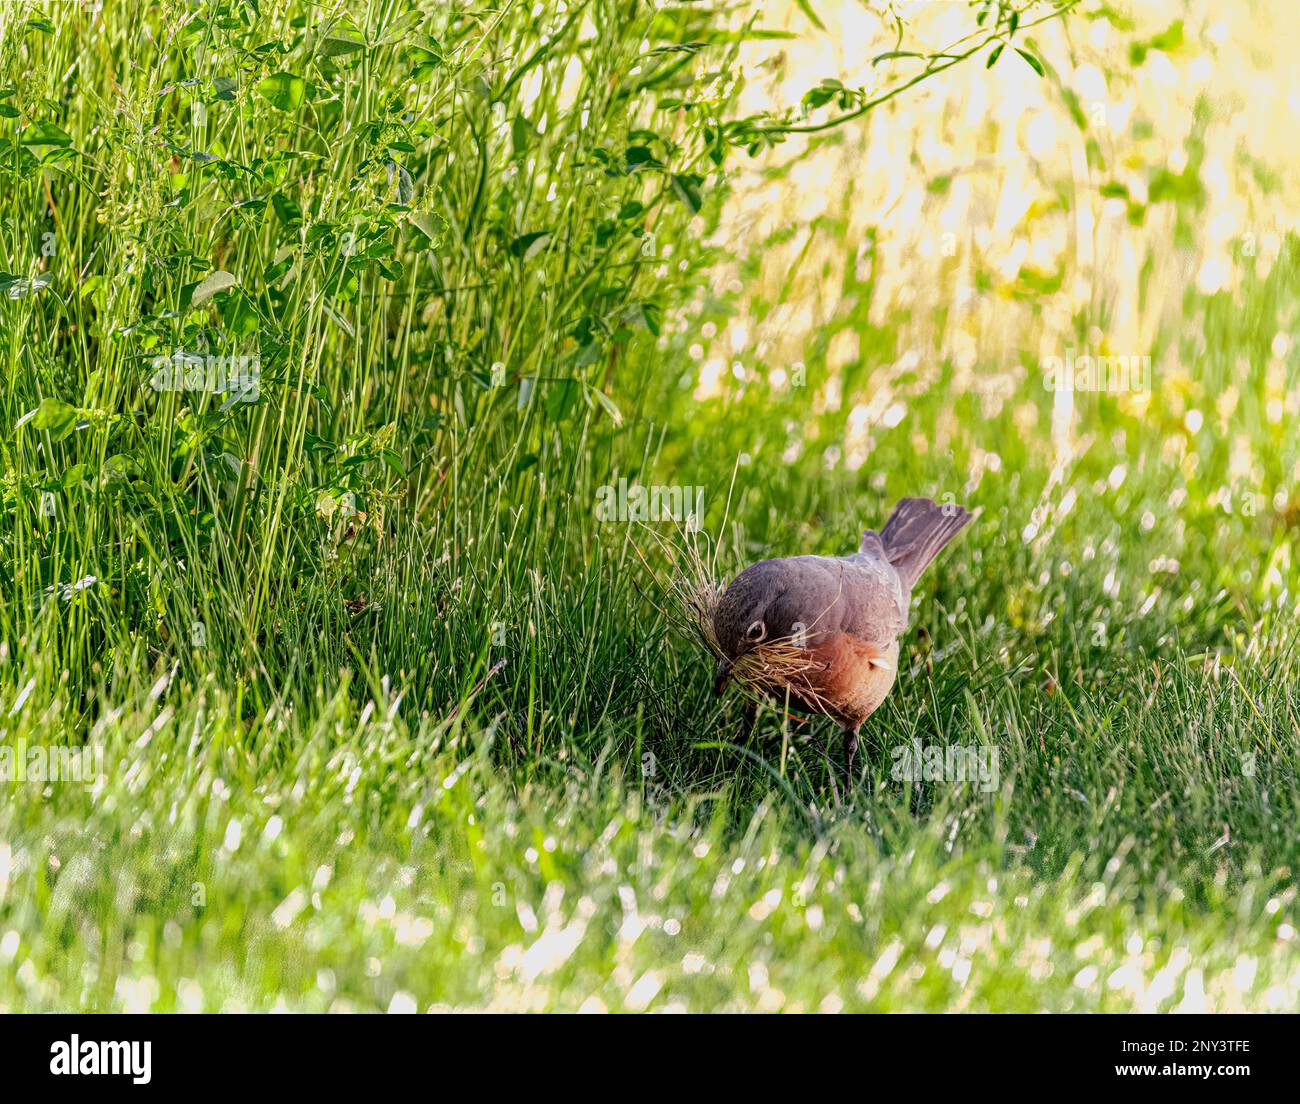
x=855, y=675
x=846, y=678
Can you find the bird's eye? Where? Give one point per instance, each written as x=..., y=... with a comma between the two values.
x=756, y=632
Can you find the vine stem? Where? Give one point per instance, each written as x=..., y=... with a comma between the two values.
x=929, y=71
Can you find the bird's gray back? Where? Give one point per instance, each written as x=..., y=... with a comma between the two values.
x=860, y=594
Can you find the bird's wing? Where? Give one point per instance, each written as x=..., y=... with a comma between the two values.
x=860, y=595
x=876, y=600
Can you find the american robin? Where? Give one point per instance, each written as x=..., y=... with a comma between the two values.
x=822, y=631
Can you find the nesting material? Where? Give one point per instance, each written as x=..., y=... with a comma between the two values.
x=781, y=668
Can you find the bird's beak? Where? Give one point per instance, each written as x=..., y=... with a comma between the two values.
x=723, y=676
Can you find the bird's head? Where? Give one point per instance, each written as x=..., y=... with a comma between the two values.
x=749, y=616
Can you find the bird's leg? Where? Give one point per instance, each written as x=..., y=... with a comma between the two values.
x=751, y=718
x=850, y=749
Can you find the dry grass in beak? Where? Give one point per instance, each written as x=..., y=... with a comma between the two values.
x=779, y=668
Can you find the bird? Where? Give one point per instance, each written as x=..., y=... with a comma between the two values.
x=822, y=632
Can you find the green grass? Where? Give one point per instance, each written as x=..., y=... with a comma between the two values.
x=450, y=751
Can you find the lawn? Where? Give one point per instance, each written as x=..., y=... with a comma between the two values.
x=331, y=333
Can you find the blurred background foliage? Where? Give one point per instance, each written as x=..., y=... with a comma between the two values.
x=1133, y=201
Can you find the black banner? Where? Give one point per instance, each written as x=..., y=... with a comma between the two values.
x=335, y=1053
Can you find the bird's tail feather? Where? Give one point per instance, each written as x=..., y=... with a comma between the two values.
x=917, y=531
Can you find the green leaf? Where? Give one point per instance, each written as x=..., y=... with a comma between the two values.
x=283, y=91
x=397, y=30
x=607, y=404
x=522, y=134
x=586, y=355
x=19, y=287
x=286, y=210
x=648, y=314
x=277, y=269
x=1169, y=39
x=339, y=40
x=527, y=246
x=239, y=316
x=891, y=55
x=807, y=9
x=211, y=285
x=993, y=57
x=54, y=416
x=560, y=397
x=1033, y=62
x=641, y=157
x=405, y=186
x=393, y=462
x=45, y=134
x=1075, y=109
x=829, y=89
x=425, y=62
x=424, y=223
x=687, y=191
